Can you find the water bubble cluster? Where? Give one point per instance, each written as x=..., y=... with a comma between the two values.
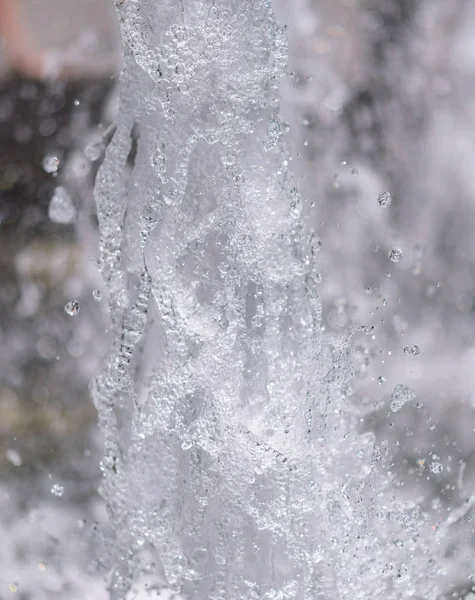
x=57, y=490
x=395, y=255
x=413, y=350
x=384, y=199
x=71, y=308
x=400, y=396
x=50, y=163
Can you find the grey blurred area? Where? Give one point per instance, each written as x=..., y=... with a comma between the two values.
x=51, y=143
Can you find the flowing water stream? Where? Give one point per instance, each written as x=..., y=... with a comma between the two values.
x=240, y=462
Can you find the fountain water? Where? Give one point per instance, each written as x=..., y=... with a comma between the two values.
x=234, y=463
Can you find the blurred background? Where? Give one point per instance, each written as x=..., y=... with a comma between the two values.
x=385, y=108
x=51, y=143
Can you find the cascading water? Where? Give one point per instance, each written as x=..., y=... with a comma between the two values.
x=235, y=466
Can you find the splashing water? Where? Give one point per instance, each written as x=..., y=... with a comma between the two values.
x=233, y=457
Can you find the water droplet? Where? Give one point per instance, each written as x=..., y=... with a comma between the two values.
x=395, y=255
x=436, y=467
x=72, y=308
x=61, y=208
x=57, y=490
x=50, y=163
x=412, y=350
x=96, y=294
x=384, y=199
x=401, y=394
x=367, y=329
x=14, y=457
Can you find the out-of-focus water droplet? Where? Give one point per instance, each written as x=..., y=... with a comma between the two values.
x=13, y=457
x=384, y=199
x=57, y=490
x=465, y=303
x=61, y=208
x=412, y=350
x=354, y=172
x=400, y=396
x=94, y=150
x=395, y=255
x=50, y=163
x=436, y=467
x=96, y=294
x=72, y=308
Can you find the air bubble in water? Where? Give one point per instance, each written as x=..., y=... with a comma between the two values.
x=50, y=163
x=436, y=467
x=412, y=350
x=96, y=294
x=384, y=199
x=401, y=394
x=72, y=308
x=57, y=490
x=61, y=208
x=395, y=255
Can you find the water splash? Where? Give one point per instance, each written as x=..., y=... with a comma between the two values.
x=233, y=456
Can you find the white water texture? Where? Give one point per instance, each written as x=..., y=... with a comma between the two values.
x=234, y=465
